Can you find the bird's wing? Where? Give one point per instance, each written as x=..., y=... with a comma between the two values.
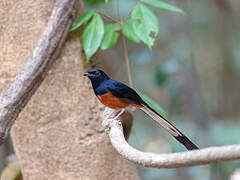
x=124, y=92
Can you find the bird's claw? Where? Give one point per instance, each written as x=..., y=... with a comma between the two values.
x=106, y=123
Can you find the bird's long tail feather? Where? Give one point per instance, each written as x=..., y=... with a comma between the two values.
x=169, y=127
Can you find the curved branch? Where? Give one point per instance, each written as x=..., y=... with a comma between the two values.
x=171, y=160
x=19, y=91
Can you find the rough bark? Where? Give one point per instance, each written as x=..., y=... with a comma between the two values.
x=58, y=135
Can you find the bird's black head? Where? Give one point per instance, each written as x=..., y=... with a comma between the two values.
x=96, y=76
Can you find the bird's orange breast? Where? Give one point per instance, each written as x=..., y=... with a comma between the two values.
x=113, y=102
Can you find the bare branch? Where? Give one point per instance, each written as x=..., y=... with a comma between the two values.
x=19, y=91
x=172, y=160
x=235, y=175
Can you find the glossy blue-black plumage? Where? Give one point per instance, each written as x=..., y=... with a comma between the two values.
x=103, y=84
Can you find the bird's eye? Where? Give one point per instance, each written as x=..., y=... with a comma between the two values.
x=96, y=73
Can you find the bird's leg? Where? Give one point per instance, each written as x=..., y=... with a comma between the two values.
x=119, y=114
x=110, y=116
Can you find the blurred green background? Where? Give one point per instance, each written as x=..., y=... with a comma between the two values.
x=192, y=72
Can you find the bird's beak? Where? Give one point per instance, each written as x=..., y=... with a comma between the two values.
x=86, y=74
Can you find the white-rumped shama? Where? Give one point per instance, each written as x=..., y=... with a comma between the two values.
x=118, y=96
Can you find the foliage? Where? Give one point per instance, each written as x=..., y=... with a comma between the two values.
x=93, y=35
x=82, y=20
x=142, y=26
x=128, y=31
x=163, y=5
x=110, y=36
x=145, y=25
x=97, y=1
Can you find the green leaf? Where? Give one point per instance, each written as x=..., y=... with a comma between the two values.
x=146, y=24
x=163, y=5
x=93, y=35
x=81, y=20
x=128, y=31
x=153, y=105
x=132, y=132
x=110, y=36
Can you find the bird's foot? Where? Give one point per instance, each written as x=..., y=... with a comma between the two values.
x=110, y=118
x=119, y=114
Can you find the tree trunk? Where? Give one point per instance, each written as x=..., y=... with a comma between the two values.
x=58, y=135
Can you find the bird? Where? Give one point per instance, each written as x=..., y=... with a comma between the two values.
x=118, y=96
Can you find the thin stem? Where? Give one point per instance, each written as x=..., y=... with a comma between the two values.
x=125, y=48
x=108, y=17
x=127, y=61
x=118, y=10
x=130, y=12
